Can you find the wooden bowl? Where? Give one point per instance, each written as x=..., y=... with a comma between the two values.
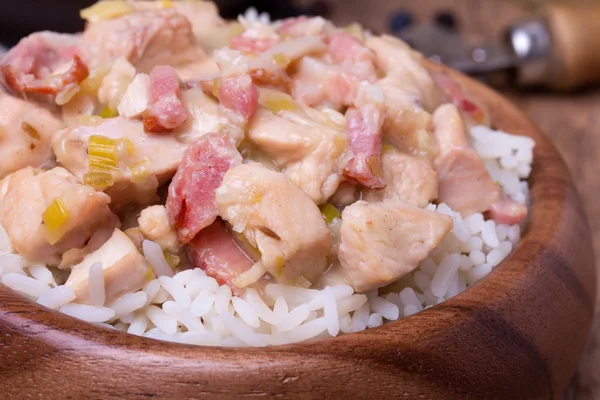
x=518, y=334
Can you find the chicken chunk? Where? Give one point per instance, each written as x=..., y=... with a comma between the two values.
x=154, y=225
x=381, y=242
x=409, y=179
x=396, y=58
x=115, y=82
x=154, y=158
x=26, y=130
x=319, y=83
x=277, y=218
x=46, y=213
x=410, y=95
x=308, y=152
x=406, y=124
x=124, y=268
x=145, y=39
x=464, y=183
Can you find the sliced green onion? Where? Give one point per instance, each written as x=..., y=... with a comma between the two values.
x=329, y=212
x=54, y=218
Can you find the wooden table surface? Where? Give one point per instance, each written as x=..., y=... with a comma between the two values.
x=572, y=121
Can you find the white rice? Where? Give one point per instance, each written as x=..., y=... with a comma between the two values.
x=190, y=307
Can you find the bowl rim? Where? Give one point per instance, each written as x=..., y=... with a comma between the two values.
x=489, y=306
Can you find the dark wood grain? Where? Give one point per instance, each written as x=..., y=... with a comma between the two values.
x=516, y=335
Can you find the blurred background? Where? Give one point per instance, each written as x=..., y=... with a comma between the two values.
x=507, y=43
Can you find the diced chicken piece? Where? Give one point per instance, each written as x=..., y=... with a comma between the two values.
x=410, y=94
x=382, y=242
x=158, y=155
x=145, y=39
x=116, y=82
x=278, y=219
x=124, y=269
x=44, y=63
x=407, y=124
x=306, y=26
x=154, y=224
x=76, y=212
x=364, y=133
x=464, y=183
x=472, y=110
x=308, y=152
x=507, y=211
x=191, y=201
x=271, y=66
x=318, y=83
x=291, y=49
x=26, y=130
x=207, y=24
x=76, y=255
x=215, y=251
x=165, y=108
x=409, y=179
x=206, y=116
x=135, y=99
x=395, y=57
x=204, y=70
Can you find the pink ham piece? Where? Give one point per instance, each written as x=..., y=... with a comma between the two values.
x=507, y=211
x=215, y=252
x=165, y=109
x=345, y=47
x=239, y=94
x=29, y=66
x=364, y=133
x=252, y=45
x=191, y=200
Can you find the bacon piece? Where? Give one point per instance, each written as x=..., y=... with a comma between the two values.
x=165, y=109
x=28, y=67
x=215, y=252
x=239, y=94
x=345, y=47
x=470, y=108
x=252, y=45
x=191, y=200
x=364, y=133
x=507, y=211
